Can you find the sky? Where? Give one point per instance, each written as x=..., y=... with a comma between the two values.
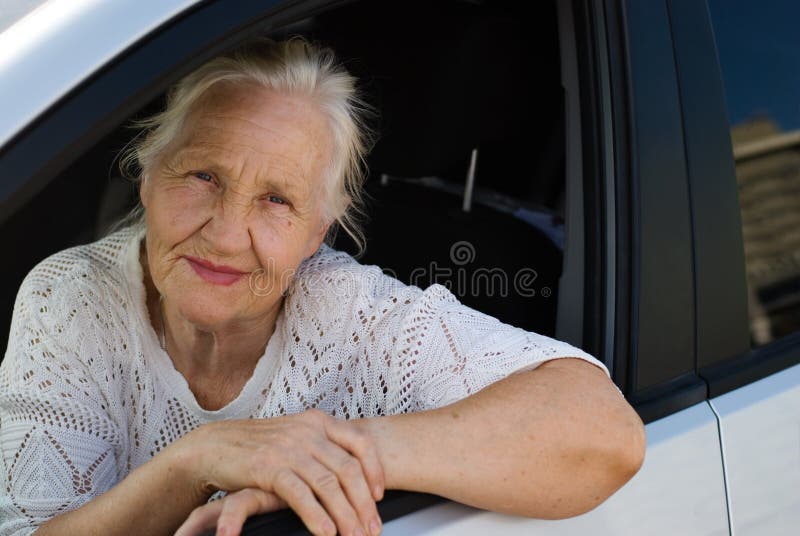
x=758, y=42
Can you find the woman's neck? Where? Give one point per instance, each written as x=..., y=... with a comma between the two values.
x=215, y=363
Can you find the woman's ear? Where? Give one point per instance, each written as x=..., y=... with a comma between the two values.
x=316, y=242
x=144, y=190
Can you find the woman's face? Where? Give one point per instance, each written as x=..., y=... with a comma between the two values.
x=235, y=204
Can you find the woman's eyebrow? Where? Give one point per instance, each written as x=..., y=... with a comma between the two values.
x=281, y=187
x=277, y=177
x=282, y=180
x=185, y=156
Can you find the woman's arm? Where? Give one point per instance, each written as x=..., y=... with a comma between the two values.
x=549, y=443
x=325, y=470
x=153, y=499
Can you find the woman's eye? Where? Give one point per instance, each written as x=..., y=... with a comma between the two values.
x=277, y=199
x=203, y=176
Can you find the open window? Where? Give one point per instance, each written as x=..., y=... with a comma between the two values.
x=467, y=179
x=469, y=184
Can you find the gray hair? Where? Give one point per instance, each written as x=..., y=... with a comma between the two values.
x=294, y=67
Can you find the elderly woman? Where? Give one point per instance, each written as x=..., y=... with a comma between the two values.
x=218, y=344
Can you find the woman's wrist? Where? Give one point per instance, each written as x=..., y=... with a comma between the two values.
x=392, y=447
x=185, y=461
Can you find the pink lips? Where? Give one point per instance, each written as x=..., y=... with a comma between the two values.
x=217, y=274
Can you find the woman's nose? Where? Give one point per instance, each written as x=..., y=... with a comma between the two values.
x=228, y=229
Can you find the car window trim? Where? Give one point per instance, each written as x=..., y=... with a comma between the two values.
x=569, y=323
x=590, y=277
x=753, y=365
x=620, y=120
x=720, y=281
x=394, y=505
x=662, y=370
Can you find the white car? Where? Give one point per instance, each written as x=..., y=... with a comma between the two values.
x=648, y=154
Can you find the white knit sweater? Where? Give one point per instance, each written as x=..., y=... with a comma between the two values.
x=87, y=394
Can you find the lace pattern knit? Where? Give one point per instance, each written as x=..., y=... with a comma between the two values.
x=87, y=394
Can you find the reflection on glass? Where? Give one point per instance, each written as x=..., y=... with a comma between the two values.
x=768, y=172
x=759, y=51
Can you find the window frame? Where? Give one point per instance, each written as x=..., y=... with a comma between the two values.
x=631, y=151
x=725, y=357
x=36, y=155
x=581, y=289
x=655, y=329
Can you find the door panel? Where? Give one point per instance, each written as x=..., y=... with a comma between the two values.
x=761, y=438
x=679, y=490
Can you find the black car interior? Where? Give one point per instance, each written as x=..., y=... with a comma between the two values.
x=452, y=81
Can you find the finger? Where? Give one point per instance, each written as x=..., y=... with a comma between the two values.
x=350, y=472
x=298, y=495
x=239, y=506
x=358, y=442
x=201, y=519
x=328, y=489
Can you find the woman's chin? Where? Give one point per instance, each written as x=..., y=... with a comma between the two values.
x=211, y=311
x=207, y=318
x=201, y=303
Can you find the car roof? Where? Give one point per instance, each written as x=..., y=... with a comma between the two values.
x=13, y=10
x=58, y=45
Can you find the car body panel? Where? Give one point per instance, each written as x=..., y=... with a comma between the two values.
x=71, y=39
x=679, y=490
x=760, y=425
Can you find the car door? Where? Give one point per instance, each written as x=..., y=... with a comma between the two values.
x=746, y=186
x=627, y=149
x=631, y=290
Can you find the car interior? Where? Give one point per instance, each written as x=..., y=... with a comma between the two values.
x=470, y=153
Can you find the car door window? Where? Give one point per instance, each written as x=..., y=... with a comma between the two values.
x=759, y=52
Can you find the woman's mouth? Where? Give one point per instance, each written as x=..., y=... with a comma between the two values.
x=216, y=274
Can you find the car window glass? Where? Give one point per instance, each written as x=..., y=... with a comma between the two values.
x=759, y=52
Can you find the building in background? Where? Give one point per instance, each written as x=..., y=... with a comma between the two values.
x=768, y=173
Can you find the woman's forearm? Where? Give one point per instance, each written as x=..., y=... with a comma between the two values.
x=153, y=499
x=549, y=443
x=326, y=470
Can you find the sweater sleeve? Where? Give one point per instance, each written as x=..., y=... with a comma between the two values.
x=57, y=442
x=365, y=344
x=453, y=351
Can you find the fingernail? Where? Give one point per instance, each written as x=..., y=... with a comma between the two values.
x=359, y=532
x=378, y=493
x=375, y=527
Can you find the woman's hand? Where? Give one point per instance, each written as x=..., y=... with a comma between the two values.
x=325, y=469
x=229, y=514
